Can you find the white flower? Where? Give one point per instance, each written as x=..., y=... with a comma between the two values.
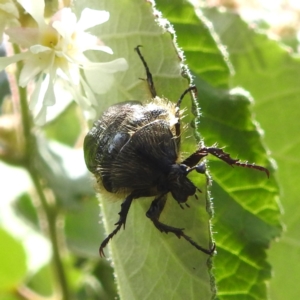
x=57, y=50
x=8, y=15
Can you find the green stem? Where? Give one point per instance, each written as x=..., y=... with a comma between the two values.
x=49, y=208
x=51, y=216
x=28, y=137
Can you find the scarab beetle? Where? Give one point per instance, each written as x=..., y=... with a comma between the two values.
x=133, y=149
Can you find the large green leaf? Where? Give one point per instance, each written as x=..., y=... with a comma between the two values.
x=149, y=264
x=12, y=261
x=272, y=75
x=246, y=211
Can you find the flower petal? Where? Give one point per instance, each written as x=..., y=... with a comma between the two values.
x=6, y=61
x=42, y=62
x=84, y=103
x=79, y=98
x=49, y=98
x=64, y=97
x=99, y=75
x=39, y=48
x=72, y=73
x=36, y=92
x=35, y=9
x=40, y=118
x=9, y=15
x=89, y=93
x=9, y=8
x=85, y=41
x=91, y=17
x=113, y=66
x=24, y=37
x=65, y=22
x=100, y=48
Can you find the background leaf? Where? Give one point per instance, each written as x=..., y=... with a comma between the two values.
x=245, y=202
x=13, y=268
x=271, y=73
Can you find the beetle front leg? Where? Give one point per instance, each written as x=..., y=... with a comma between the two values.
x=193, y=159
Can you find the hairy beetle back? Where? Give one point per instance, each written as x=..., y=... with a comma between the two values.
x=131, y=143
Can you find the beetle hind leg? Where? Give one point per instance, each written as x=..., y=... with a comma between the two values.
x=153, y=214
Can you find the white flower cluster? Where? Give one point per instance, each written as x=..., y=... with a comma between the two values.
x=9, y=15
x=55, y=51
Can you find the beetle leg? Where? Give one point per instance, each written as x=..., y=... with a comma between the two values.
x=148, y=73
x=153, y=214
x=125, y=206
x=199, y=168
x=193, y=159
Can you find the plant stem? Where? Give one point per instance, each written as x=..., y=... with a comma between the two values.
x=49, y=208
x=51, y=216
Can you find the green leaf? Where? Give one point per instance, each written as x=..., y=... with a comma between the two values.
x=41, y=281
x=149, y=264
x=25, y=209
x=13, y=262
x=104, y=272
x=272, y=75
x=245, y=202
x=7, y=296
x=67, y=119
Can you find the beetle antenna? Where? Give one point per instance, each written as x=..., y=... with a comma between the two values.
x=191, y=88
x=177, y=112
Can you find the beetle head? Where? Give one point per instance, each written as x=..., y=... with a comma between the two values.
x=179, y=185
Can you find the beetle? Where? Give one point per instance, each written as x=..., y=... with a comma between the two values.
x=133, y=150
